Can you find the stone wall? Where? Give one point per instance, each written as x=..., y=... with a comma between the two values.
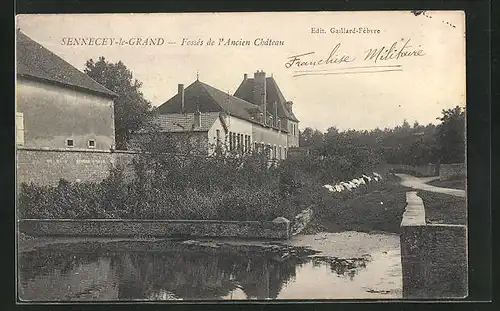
x=46, y=166
x=452, y=171
x=421, y=170
x=433, y=257
x=276, y=229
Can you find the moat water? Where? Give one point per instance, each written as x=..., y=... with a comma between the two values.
x=188, y=270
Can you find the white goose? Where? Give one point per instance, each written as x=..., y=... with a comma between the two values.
x=367, y=178
x=346, y=185
x=329, y=187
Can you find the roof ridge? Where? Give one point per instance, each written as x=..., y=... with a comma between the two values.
x=230, y=95
x=203, y=85
x=21, y=36
x=290, y=114
x=277, y=87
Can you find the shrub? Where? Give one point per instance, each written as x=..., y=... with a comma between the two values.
x=66, y=200
x=178, y=187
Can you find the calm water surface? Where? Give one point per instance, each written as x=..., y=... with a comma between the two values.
x=183, y=270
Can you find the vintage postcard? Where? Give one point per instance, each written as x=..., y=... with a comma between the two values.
x=241, y=156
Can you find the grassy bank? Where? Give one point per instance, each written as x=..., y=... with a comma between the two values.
x=379, y=208
x=455, y=184
x=444, y=208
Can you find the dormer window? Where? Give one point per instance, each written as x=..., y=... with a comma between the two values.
x=70, y=143
x=91, y=143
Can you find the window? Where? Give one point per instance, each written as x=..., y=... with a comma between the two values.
x=279, y=153
x=230, y=140
x=91, y=143
x=217, y=133
x=19, y=128
x=70, y=143
x=284, y=152
x=274, y=152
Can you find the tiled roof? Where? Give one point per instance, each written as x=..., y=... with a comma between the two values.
x=33, y=60
x=273, y=94
x=184, y=122
x=206, y=98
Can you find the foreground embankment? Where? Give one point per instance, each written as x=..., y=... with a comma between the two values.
x=433, y=255
x=374, y=207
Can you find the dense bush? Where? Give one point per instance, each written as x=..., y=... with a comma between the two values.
x=193, y=187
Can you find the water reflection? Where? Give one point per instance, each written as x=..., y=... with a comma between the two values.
x=167, y=271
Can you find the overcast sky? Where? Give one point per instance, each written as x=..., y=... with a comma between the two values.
x=419, y=90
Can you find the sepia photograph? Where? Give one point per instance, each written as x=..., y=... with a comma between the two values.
x=241, y=156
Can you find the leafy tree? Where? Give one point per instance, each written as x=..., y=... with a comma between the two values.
x=450, y=135
x=311, y=138
x=132, y=110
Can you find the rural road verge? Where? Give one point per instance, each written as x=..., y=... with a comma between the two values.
x=421, y=184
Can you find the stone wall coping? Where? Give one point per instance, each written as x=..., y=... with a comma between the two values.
x=50, y=149
x=160, y=228
x=414, y=214
x=47, y=149
x=150, y=220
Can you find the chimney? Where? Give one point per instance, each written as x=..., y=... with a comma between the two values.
x=180, y=91
x=259, y=91
x=245, y=76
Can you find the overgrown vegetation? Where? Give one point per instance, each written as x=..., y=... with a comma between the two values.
x=376, y=207
x=174, y=181
x=444, y=208
x=459, y=183
x=224, y=186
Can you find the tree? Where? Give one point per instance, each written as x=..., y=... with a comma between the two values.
x=132, y=110
x=305, y=137
x=313, y=139
x=450, y=135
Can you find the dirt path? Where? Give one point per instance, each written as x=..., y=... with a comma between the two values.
x=421, y=183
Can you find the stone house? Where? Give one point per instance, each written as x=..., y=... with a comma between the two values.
x=57, y=105
x=241, y=122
